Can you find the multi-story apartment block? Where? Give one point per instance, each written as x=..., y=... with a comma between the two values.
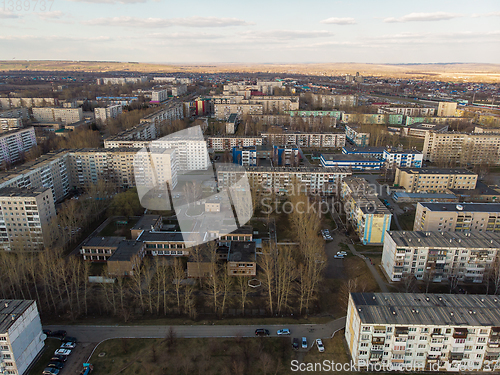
x=424, y=332
x=10, y=123
x=276, y=104
x=63, y=115
x=464, y=217
x=223, y=111
x=241, y=88
x=283, y=180
x=115, y=166
x=331, y=101
x=15, y=143
x=158, y=96
x=461, y=148
x=366, y=213
x=281, y=155
x=306, y=114
x=368, y=118
x=437, y=256
x=357, y=137
x=408, y=111
x=447, y=109
x=173, y=111
x=315, y=140
x=21, y=335
x=403, y=158
x=21, y=112
x=434, y=180
x=121, y=80
x=25, y=216
x=156, y=168
x=104, y=114
x=9, y=103
x=227, y=143
x=48, y=171
x=232, y=123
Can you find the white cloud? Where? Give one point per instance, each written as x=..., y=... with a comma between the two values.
x=286, y=34
x=339, y=21
x=4, y=14
x=181, y=36
x=166, y=22
x=55, y=38
x=56, y=14
x=490, y=14
x=419, y=17
x=110, y=1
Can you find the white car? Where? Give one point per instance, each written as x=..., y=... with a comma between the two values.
x=304, y=342
x=338, y=257
x=68, y=345
x=62, y=352
x=284, y=331
x=320, y=345
x=341, y=253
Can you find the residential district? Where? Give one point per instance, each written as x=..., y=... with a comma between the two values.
x=347, y=217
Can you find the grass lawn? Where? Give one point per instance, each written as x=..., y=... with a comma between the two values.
x=50, y=347
x=113, y=229
x=370, y=248
x=406, y=220
x=193, y=356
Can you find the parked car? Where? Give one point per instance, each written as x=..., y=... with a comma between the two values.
x=47, y=331
x=261, y=332
x=68, y=345
x=56, y=364
x=50, y=371
x=338, y=256
x=70, y=339
x=295, y=343
x=304, y=342
x=61, y=334
x=320, y=346
x=62, y=352
x=284, y=331
x=59, y=358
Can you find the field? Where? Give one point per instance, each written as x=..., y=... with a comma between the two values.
x=437, y=72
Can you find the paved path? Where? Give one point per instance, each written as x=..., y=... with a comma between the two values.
x=373, y=270
x=92, y=333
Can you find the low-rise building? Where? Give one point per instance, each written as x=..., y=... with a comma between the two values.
x=368, y=151
x=366, y=213
x=402, y=158
x=351, y=162
x=420, y=130
x=100, y=249
x=127, y=258
x=146, y=223
x=423, y=332
x=354, y=134
x=464, y=217
x=404, y=197
x=434, y=180
x=438, y=256
x=242, y=259
x=21, y=336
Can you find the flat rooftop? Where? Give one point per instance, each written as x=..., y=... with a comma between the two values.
x=460, y=171
x=160, y=236
x=367, y=149
x=22, y=192
x=126, y=250
x=10, y=310
x=242, y=251
x=146, y=222
x=104, y=242
x=349, y=157
x=481, y=189
x=237, y=168
x=462, y=207
x=427, y=309
x=435, y=239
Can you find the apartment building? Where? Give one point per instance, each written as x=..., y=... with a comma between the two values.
x=366, y=213
x=283, y=180
x=121, y=80
x=436, y=256
x=21, y=113
x=331, y=101
x=315, y=140
x=25, y=216
x=408, y=111
x=223, y=111
x=10, y=123
x=369, y=118
x=227, y=143
x=276, y=104
x=241, y=88
x=464, y=217
x=48, y=171
x=21, y=336
x=424, y=332
x=461, y=148
x=232, y=123
x=104, y=114
x=306, y=114
x=434, y=180
x=354, y=134
x=281, y=155
x=185, y=81
x=155, y=170
x=421, y=130
x=171, y=111
x=51, y=114
x=115, y=166
x=15, y=143
x=367, y=152
x=158, y=96
x=10, y=103
x=138, y=136
x=447, y=109
x=402, y=158
x=351, y=162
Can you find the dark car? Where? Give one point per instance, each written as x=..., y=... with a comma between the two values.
x=47, y=332
x=59, y=358
x=56, y=364
x=70, y=339
x=295, y=343
x=261, y=332
x=61, y=334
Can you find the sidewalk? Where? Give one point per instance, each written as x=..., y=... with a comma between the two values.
x=378, y=279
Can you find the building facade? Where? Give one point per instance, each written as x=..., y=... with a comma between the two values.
x=434, y=180
x=104, y=114
x=357, y=137
x=51, y=114
x=314, y=140
x=15, y=143
x=227, y=143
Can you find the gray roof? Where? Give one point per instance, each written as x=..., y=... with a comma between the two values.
x=461, y=171
x=367, y=149
x=427, y=309
x=349, y=157
x=126, y=250
x=103, y=242
x=434, y=239
x=146, y=221
x=465, y=207
x=22, y=192
x=148, y=236
x=10, y=310
x=481, y=189
x=242, y=251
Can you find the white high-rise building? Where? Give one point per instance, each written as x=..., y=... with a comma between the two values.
x=14, y=143
x=104, y=114
x=65, y=115
x=21, y=336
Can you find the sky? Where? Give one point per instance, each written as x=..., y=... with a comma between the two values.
x=257, y=31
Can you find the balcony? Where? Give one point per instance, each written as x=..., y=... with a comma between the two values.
x=401, y=331
x=460, y=333
x=378, y=340
x=456, y=356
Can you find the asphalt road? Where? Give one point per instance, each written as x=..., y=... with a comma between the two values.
x=94, y=334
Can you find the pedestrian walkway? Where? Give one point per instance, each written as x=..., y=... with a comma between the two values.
x=373, y=270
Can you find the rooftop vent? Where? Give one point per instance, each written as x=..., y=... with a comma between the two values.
x=460, y=207
x=6, y=304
